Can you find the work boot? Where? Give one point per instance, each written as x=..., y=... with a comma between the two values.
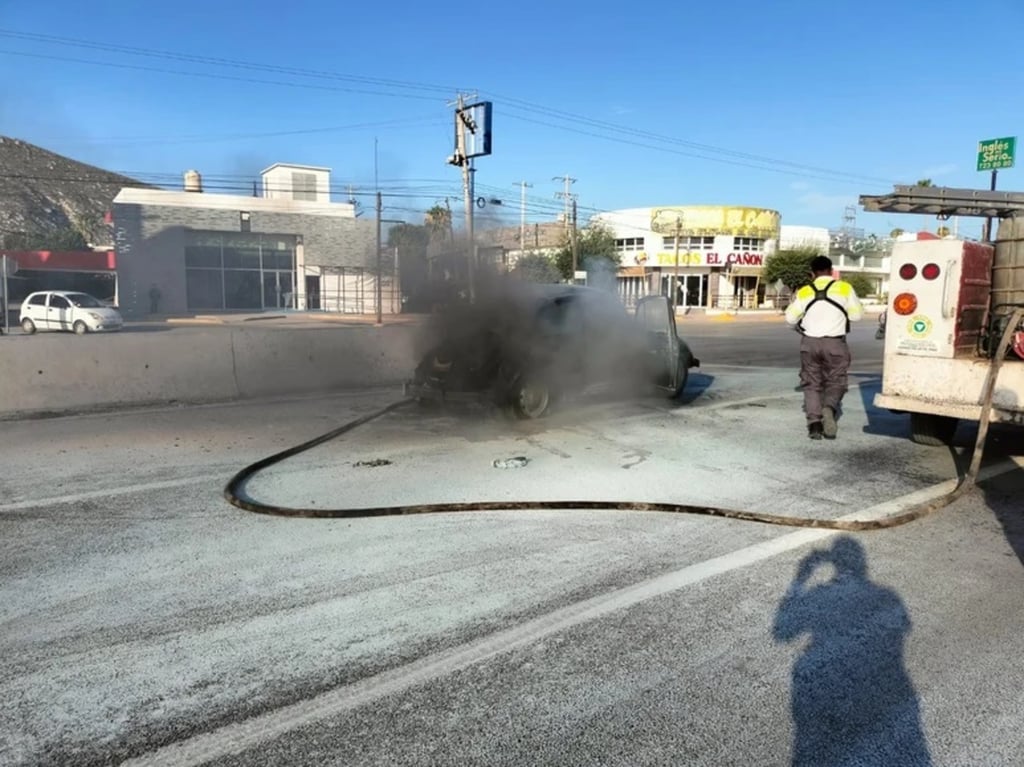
x=828, y=422
x=815, y=430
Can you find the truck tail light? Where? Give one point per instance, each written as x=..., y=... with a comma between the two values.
x=908, y=272
x=930, y=271
x=904, y=303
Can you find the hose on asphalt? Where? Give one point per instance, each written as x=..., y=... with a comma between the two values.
x=234, y=490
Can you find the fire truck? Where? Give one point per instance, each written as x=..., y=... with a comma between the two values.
x=950, y=304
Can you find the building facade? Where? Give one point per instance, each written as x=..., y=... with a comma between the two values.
x=187, y=252
x=713, y=254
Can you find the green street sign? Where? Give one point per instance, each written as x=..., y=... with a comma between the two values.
x=996, y=153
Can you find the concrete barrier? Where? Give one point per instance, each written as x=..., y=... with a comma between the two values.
x=61, y=372
x=273, y=361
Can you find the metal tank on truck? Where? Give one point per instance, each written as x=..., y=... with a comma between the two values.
x=950, y=302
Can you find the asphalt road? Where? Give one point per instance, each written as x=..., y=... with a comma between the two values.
x=144, y=620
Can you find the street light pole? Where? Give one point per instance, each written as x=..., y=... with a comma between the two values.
x=675, y=279
x=380, y=307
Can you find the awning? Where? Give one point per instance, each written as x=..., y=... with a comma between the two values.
x=746, y=271
x=632, y=271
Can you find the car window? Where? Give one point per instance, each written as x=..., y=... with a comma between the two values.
x=84, y=301
x=59, y=302
x=39, y=299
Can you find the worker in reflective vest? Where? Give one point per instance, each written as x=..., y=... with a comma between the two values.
x=822, y=312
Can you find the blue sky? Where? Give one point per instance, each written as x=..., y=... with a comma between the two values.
x=737, y=95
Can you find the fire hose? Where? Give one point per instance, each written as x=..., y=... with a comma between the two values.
x=234, y=490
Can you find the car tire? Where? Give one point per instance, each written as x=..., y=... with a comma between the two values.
x=80, y=328
x=530, y=398
x=28, y=326
x=932, y=430
x=683, y=375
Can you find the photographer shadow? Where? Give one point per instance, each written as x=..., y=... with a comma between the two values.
x=852, y=700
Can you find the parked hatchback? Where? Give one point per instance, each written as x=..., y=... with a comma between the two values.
x=68, y=310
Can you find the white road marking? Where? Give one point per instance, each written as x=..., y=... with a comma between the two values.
x=89, y=495
x=696, y=406
x=240, y=736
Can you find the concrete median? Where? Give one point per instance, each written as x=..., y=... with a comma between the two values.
x=62, y=373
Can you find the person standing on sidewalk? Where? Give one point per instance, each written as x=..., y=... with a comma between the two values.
x=822, y=312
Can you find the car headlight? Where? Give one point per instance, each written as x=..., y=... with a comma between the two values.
x=95, y=316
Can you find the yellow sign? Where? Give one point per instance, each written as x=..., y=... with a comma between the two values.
x=709, y=220
x=710, y=258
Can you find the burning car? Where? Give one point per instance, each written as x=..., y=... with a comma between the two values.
x=526, y=346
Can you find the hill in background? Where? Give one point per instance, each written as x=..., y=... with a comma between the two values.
x=51, y=201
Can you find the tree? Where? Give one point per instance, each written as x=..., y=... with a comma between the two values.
x=536, y=267
x=597, y=251
x=411, y=241
x=895, y=233
x=792, y=267
x=862, y=284
x=66, y=238
x=438, y=221
x=924, y=182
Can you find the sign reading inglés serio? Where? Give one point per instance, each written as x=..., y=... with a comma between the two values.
x=996, y=153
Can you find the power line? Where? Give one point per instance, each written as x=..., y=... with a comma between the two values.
x=677, y=151
x=566, y=194
x=218, y=76
x=527, y=107
x=224, y=62
x=700, y=150
x=203, y=138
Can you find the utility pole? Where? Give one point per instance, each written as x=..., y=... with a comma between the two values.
x=575, y=244
x=565, y=195
x=523, y=186
x=470, y=120
x=467, y=190
x=380, y=308
x=675, y=279
x=396, y=286
x=987, y=229
x=4, y=261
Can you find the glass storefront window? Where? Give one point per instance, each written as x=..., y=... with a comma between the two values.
x=235, y=270
x=204, y=288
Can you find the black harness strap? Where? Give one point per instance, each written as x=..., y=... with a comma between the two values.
x=822, y=295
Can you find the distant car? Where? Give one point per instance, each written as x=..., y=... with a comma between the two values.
x=68, y=310
x=528, y=345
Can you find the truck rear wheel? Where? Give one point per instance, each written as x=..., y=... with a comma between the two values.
x=933, y=430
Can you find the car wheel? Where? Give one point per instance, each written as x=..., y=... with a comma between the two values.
x=531, y=398
x=682, y=376
x=80, y=328
x=932, y=430
x=28, y=326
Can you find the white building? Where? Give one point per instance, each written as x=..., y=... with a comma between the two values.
x=793, y=237
x=292, y=248
x=719, y=258
x=305, y=183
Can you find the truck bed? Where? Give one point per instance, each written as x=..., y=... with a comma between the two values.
x=951, y=387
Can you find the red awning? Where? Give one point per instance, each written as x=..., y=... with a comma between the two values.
x=73, y=261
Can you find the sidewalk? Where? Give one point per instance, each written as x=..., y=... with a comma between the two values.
x=753, y=315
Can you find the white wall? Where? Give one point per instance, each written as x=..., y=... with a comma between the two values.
x=277, y=182
x=794, y=236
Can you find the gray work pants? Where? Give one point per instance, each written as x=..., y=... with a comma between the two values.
x=824, y=365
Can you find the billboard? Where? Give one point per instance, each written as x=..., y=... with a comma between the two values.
x=710, y=220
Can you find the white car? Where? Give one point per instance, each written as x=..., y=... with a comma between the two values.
x=67, y=310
